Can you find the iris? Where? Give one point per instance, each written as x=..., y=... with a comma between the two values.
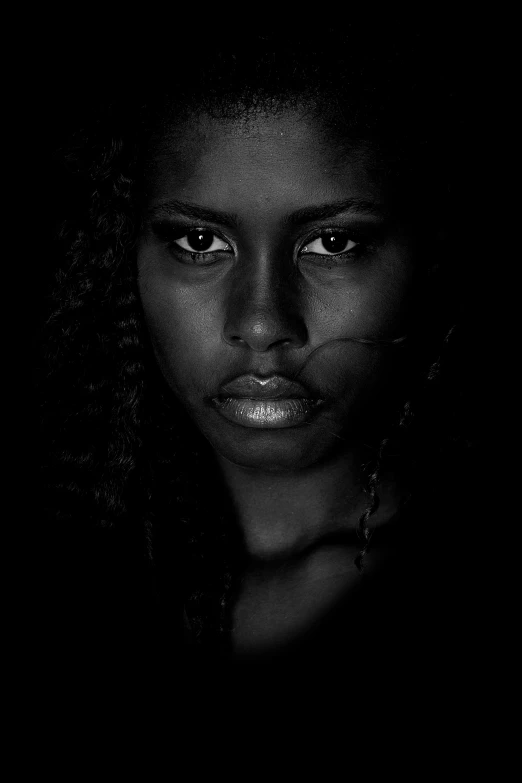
x=334, y=243
x=200, y=240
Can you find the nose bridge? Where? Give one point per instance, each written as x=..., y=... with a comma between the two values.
x=263, y=307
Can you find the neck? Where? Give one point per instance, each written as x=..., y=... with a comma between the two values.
x=282, y=514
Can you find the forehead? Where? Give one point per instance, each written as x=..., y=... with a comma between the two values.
x=285, y=160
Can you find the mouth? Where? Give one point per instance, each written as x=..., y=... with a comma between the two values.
x=272, y=402
x=270, y=414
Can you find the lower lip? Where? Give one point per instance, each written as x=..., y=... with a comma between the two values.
x=266, y=414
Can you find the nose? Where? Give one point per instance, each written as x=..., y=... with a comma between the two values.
x=263, y=310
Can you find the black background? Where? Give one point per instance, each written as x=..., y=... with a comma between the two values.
x=66, y=68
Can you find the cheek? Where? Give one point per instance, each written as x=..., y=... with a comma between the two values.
x=368, y=306
x=184, y=329
x=385, y=299
x=380, y=312
x=373, y=310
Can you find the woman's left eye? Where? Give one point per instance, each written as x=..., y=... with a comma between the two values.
x=330, y=244
x=201, y=241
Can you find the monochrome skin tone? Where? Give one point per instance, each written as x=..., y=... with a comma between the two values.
x=267, y=247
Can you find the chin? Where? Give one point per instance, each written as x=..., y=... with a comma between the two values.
x=275, y=451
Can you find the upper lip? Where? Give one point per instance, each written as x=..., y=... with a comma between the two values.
x=268, y=387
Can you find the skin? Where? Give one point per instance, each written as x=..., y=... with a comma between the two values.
x=266, y=305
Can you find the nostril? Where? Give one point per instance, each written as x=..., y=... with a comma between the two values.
x=262, y=339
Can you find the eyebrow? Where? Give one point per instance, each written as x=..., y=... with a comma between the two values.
x=323, y=211
x=299, y=217
x=174, y=207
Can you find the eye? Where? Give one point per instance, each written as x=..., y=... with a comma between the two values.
x=201, y=241
x=330, y=244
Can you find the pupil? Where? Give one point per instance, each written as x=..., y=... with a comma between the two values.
x=334, y=243
x=200, y=240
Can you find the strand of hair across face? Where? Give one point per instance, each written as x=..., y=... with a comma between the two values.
x=378, y=342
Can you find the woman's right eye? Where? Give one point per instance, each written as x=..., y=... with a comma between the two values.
x=201, y=241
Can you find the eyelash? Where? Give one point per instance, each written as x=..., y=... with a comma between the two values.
x=337, y=259
x=169, y=234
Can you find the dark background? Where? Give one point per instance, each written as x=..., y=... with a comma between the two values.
x=65, y=74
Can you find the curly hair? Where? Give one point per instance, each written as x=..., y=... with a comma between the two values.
x=123, y=457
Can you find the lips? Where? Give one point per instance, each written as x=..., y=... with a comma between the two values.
x=266, y=402
x=272, y=387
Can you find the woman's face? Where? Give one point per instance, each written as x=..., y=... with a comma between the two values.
x=266, y=244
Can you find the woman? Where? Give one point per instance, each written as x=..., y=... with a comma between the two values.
x=256, y=358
